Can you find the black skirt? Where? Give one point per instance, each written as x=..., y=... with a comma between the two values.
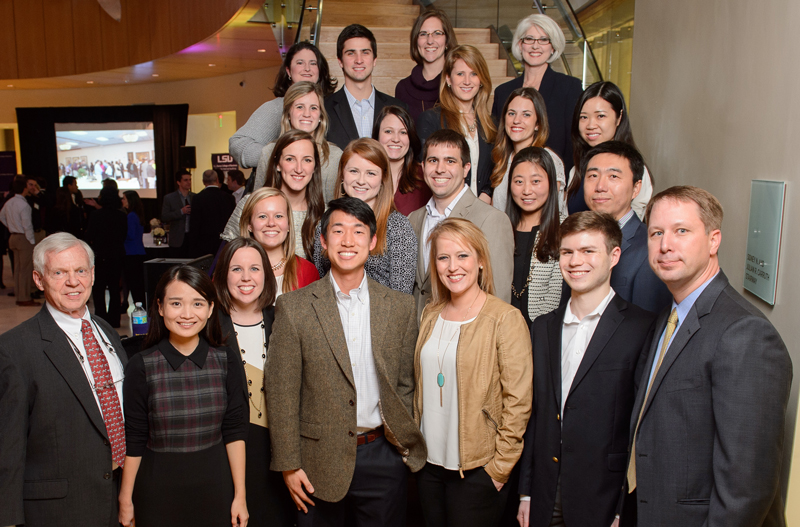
x=177, y=488
x=268, y=501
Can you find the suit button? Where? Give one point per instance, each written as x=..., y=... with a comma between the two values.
x=352, y=403
x=558, y=417
x=107, y=475
x=555, y=459
x=105, y=442
x=351, y=434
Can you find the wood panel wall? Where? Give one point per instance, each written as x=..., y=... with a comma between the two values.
x=53, y=38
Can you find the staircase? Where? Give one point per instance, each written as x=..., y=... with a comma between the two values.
x=391, y=22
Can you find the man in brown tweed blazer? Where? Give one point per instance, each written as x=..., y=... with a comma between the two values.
x=340, y=382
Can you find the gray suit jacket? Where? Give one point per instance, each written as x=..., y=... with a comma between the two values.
x=710, y=442
x=171, y=212
x=311, y=393
x=55, y=456
x=498, y=231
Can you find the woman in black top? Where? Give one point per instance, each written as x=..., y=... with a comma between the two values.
x=533, y=208
x=185, y=414
x=245, y=293
x=106, y=233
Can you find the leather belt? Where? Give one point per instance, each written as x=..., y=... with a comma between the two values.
x=369, y=437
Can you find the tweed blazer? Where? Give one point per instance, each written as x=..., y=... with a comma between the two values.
x=311, y=392
x=55, y=455
x=495, y=226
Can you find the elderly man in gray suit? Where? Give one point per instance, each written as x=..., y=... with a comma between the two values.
x=340, y=383
x=445, y=158
x=62, y=437
x=175, y=210
x=708, y=423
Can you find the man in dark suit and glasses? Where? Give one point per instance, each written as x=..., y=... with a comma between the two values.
x=353, y=109
x=708, y=425
x=340, y=384
x=62, y=438
x=588, y=356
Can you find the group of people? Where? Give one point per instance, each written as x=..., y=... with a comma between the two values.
x=598, y=368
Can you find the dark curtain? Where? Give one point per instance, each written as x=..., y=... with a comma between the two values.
x=37, y=138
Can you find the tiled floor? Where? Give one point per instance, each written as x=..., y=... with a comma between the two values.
x=12, y=315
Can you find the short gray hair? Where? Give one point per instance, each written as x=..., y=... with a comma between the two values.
x=550, y=28
x=210, y=176
x=56, y=243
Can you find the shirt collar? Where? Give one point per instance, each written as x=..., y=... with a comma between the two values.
x=176, y=358
x=433, y=211
x=351, y=99
x=623, y=220
x=570, y=318
x=361, y=292
x=66, y=322
x=687, y=303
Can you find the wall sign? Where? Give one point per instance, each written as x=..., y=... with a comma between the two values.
x=764, y=238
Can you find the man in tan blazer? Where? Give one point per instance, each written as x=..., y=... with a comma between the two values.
x=340, y=383
x=445, y=165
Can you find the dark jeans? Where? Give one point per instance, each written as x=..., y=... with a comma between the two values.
x=134, y=277
x=448, y=500
x=377, y=494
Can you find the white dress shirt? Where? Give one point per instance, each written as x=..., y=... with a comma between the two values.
x=16, y=216
x=363, y=112
x=474, y=157
x=434, y=218
x=238, y=194
x=575, y=337
x=72, y=329
x=354, y=313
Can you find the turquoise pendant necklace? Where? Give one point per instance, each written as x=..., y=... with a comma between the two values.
x=440, y=376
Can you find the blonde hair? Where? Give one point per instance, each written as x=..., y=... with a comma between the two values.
x=372, y=151
x=296, y=91
x=451, y=115
x=466, y=233
x=710, y=209
x=290, y=270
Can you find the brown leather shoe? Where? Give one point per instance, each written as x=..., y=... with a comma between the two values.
x=29, y=303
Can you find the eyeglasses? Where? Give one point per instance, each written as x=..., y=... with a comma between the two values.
x=530, y=41
x=435, y=34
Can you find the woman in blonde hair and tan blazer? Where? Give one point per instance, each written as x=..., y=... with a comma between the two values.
x=474, y=376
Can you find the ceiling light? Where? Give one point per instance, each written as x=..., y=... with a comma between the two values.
x=211, y=65
x=130, y=138
x=155, y=74
x=262, y=50
x=141, y=133
x=102, y=138
x=79, y=133
x=9, y=85
x=89, y=82
x=65, y=146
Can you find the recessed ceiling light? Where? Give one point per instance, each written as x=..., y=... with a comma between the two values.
x=9, y=85
x=262, y=50
x=102, y=138
x=211, y=65
x=155, y=74
x=89, y=82
x=141, y=133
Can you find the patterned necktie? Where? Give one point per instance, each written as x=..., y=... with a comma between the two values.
x=672, y=323
x=106, y=392
x=186, y=202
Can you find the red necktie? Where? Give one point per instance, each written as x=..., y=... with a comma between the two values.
x=106, y=392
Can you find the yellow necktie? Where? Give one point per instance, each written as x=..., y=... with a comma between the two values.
x=672, y=323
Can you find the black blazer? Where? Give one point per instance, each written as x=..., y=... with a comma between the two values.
x=430, y=121
x=632, y=278
x=55, y=466
x=709, y=450
x=229, y=333
x=560, y=93
x=211, y=209
x=341, y=125
x=588, y=445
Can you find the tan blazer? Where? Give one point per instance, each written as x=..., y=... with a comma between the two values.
x=311, y=393
x=498, y=231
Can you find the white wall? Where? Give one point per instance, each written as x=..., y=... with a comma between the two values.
x=714, y=103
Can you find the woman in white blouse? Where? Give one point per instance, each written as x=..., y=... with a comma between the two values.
x=474, y=376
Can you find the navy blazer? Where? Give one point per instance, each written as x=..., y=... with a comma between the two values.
x=55, y=455
x=430, y=121
x=632, y=278
x=341, y=125
x=590, y=440
x=560, y=93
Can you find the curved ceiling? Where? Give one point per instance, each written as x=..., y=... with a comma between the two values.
x=75, y=43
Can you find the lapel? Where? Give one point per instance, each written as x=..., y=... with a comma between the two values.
x=688, y=327
x=58, y=350
x=328, y=315
x=380, y=102
x=378, y=315
x=547, y=84
x=554, y=327
x=345, y=115
x=610, y=320
x=417, y=220
x=629, y=231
